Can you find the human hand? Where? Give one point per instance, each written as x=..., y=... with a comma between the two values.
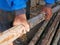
x=48, y=12
x=21, y=20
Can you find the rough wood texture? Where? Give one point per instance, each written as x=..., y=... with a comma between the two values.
x=37, y=35
x=55, y=27
x=13, y=33
x=56, y=37
x=51, y=31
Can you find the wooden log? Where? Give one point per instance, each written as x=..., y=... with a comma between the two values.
x=52, y=34
x=38, y=34
x=49, y=35
x=56, y=9
x=13, y=33
x=56, y=37
x=36, y=20
x=55, y=27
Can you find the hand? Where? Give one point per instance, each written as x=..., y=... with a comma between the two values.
x=48, y=12
x=21, y=20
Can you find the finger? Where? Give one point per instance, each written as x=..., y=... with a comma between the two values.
x=24, y=30
x=27, y=28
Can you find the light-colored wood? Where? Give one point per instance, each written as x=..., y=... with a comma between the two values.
x=13, y=33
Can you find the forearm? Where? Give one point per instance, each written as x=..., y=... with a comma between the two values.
x=20, y=19
x=20, y=11
x=21, y=14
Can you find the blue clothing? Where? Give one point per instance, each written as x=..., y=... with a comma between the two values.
x=10, y=5
x=50, y=1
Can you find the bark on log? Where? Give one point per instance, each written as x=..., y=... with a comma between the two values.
x=37, y=35
x=51, y=31
x=13, y=33
x=56, y=39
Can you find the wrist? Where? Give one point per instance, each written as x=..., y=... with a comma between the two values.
x=48, y=5
x=21, y=17
x=20, y=11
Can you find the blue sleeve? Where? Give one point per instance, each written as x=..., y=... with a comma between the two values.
x=17, y=4
x=9, y=2
x=50, y=1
